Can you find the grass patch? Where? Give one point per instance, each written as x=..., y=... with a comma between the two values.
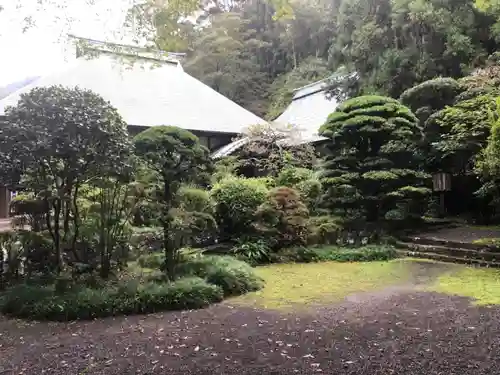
x=295, y=285
x=481, y=284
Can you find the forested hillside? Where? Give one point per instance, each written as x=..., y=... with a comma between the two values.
x=248, y=54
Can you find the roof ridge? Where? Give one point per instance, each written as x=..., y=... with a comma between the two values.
x=130, y=50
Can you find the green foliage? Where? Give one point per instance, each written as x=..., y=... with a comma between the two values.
x=224, y=168
x=364, y=254
x=252, y=251
x=152, y=261
x=282, y=218
x=487, y=163
x=292, y=176
x=305, y=182
x=248, y=55
x=463, y=130
x=233, y=276
x=394, y=44
x=236, y=201
x=194, y=221
x=121, y=298
x=335, y=253
x=295, y=255
x=177, y=157
x=431, y=96
x=147, y=239
x=323, y=230
x=78, y=137
x=372, y=155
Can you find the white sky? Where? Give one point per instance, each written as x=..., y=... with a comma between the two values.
x=42, y=47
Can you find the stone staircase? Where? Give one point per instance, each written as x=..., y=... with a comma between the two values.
x=448, y=251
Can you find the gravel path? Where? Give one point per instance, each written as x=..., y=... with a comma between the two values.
x=395, y=331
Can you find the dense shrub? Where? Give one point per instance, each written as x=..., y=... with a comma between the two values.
x=323, y=230
x=233, y=276
x=126, y=297
x=363, y=254
x=305, y=182
x=311, y=191
x=296, y=255
x=152, y=260
x=282, y=218
x=236, y=201
x=292, y=176
x=252, y=251
x=334, y=253
x=145, y=240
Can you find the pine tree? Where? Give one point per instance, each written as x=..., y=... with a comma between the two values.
x=371, y=170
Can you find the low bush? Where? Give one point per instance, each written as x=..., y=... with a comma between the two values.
x=147, y=239
x=323, y=230
x=362, y=254
x=254, y=252
x=122, y=298
x=235, y=277
x=292, y=176
x=296, y=255
x=236, y=201
x=334, y=253
x=152, y=260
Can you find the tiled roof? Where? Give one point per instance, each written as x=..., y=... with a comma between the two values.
x=149, y=93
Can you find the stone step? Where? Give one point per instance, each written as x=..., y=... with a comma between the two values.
x=451, y=251
x=448, y=258
x=444, y=243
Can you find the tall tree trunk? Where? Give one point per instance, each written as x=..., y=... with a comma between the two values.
x=168, y=244
x=57, y=235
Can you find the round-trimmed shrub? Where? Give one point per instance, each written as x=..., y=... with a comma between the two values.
x=236, y=201
x=233, y=276
x=131, y=297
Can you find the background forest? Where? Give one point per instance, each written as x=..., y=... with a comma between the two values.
x=245, y=52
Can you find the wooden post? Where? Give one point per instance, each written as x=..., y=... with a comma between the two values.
x=441, y=183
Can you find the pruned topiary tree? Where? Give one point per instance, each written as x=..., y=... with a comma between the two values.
x=175, y=156
x=372, y=162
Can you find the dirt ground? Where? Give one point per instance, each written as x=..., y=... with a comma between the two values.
x=399, y=330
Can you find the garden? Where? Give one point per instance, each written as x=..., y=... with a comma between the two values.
x=107, y=223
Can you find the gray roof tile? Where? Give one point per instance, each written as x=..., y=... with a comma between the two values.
x=148, y=93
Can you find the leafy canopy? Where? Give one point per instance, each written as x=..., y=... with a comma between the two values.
x=372, y=158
